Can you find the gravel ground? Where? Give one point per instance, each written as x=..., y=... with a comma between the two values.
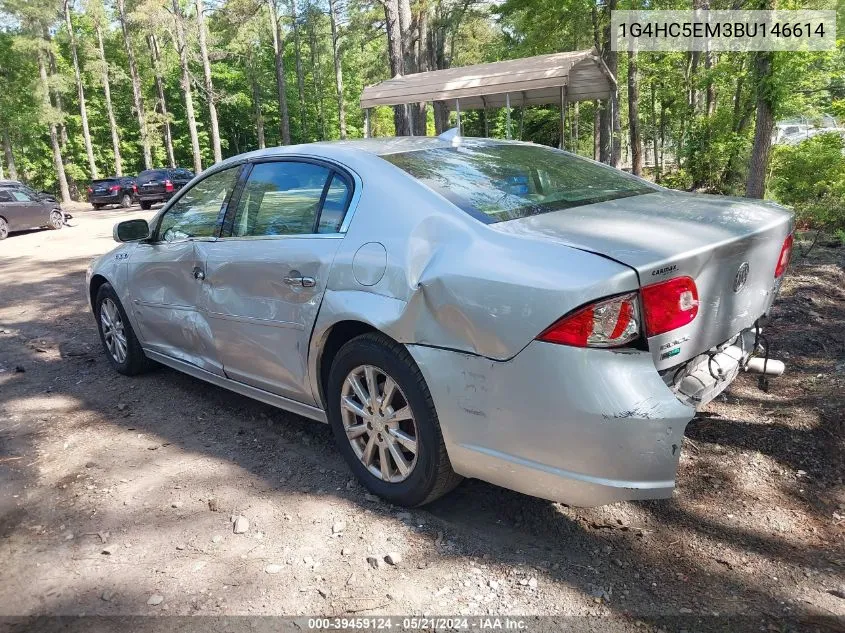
x=118, y=496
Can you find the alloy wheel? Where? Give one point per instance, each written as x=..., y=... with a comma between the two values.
x=4, y=229
x=56, y=220
x=379, y=423
x=113, y=332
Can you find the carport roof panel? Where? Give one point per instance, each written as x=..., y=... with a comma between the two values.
x=534, y=80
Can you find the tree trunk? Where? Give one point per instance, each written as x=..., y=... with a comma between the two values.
x=763, y=128
x=422, y=65
x=138, y=99
x=152, y=42
x=182, y=47
x=653, y=112
x=209, y=86
x=611, y=146
x=80, y=91
x=256, y=102
x=711, y=85
x=300, y=76
x=394, y=54
x=338, y=70
x=55, y=95
x=58, y=163
x=10, y=157
x=662, y=131
x=634, y=116
x=316, y=74
x=278, y=54
x=115, y=134
x=408, y=62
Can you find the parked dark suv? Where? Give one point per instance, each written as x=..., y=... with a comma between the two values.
x=119, y=190
x=21, y=208
x=159, y=185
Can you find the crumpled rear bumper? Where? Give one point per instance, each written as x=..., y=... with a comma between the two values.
x=581, y=426
x=702, y=378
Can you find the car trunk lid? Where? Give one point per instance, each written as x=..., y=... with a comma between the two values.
x=714, y=240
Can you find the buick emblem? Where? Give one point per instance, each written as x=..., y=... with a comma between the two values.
x=741, y=277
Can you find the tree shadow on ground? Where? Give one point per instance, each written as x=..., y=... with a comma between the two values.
x=626, y=560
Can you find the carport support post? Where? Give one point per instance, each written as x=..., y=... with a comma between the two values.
x=562, y=116
x=508, y=115
x=486, y=120
x=367, y=131
x=522, y=116
x=458, y=115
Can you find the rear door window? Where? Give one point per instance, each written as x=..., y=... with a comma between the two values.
x=500, y=182
x=281, y=198
x=21, y=196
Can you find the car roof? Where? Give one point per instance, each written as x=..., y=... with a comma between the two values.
x=378, y=146
x=10, y=183
x=370, y=146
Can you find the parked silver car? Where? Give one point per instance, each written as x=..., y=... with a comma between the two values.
x=462, y=307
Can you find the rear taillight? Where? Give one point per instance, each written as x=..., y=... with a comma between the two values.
x=608, y=323
x=785, y=253
x=90, y=190
x=669, y=305
x=114, y=188
x=168, y=186
x=134, y=188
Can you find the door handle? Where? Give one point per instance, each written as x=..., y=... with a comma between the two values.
x=199, y=275
x=305, y=282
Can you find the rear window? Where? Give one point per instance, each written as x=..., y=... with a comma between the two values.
x=152, y=174
x=495, y=183
x=104, y=181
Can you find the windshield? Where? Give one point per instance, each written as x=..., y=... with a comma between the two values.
x=495, y=183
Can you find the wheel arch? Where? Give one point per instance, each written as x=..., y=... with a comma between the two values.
x=333, y=339
x=94, y=286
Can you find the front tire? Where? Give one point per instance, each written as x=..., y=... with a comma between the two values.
x=117, y=336
x=4, y=229
x=385, y=423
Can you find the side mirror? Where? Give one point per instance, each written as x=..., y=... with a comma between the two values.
x=131, y=231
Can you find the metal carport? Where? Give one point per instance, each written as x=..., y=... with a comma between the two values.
x=557, y=78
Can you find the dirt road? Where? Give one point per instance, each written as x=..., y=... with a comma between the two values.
x=117, y=494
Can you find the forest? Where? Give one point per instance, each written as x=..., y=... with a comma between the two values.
x=94, y=88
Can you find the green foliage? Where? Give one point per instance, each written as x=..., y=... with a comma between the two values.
x=696, y=147
x=811, y=177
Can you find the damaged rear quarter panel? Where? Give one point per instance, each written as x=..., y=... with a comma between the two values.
x=451, y=281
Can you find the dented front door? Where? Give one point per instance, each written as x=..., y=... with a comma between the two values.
x=164, y=286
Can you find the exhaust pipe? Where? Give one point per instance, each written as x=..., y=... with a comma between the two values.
x=766, y=367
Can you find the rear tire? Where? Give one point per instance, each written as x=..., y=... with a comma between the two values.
x=4, y=229
x=146, y=205
x=57, y=220
x=117, y=336
x=126, y=201
x=97, y=206
x=407, y=477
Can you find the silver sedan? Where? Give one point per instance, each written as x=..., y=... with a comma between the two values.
x=454, y=308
